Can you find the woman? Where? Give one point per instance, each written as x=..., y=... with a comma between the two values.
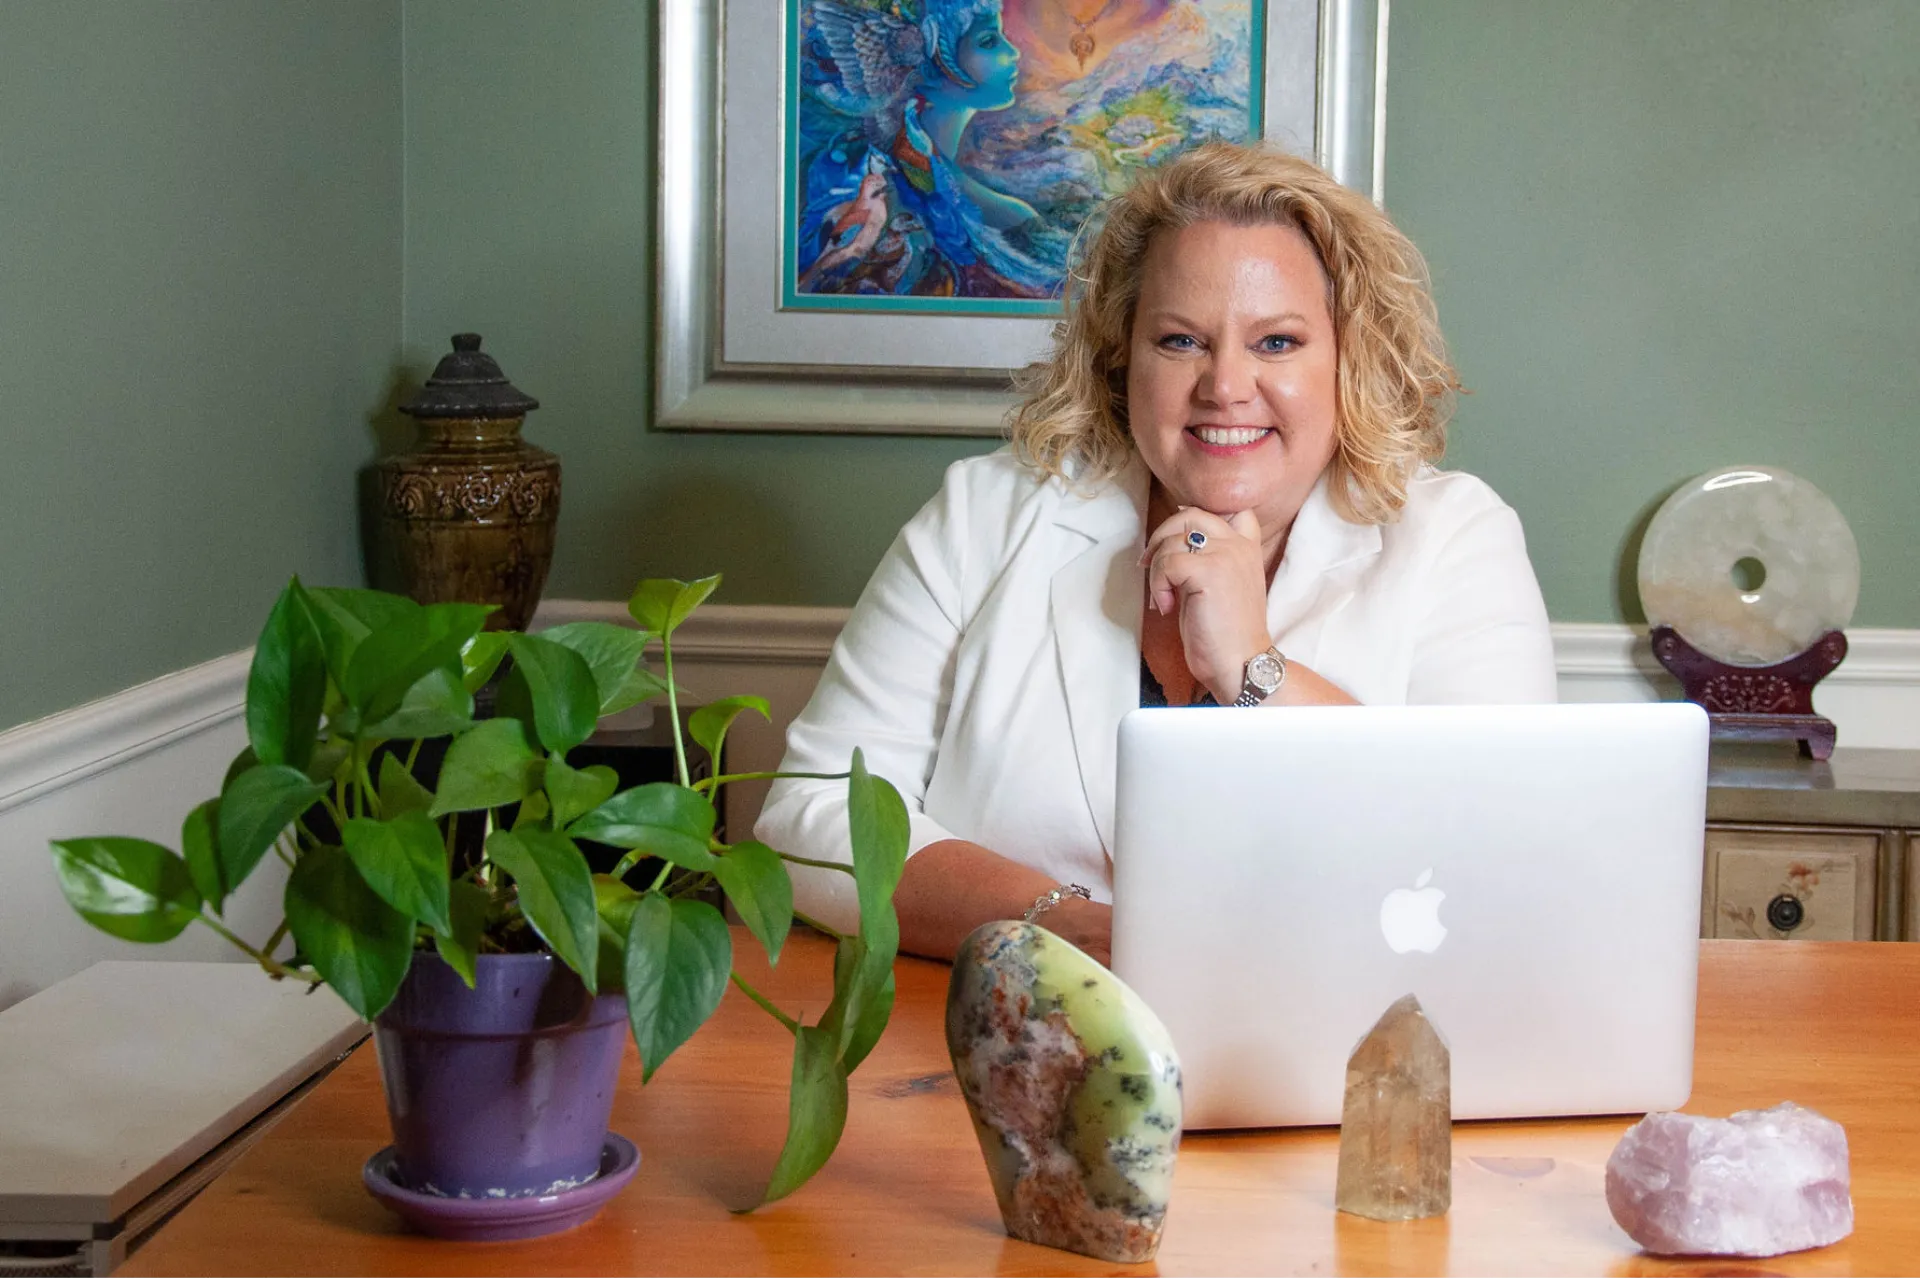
x=1223, y=472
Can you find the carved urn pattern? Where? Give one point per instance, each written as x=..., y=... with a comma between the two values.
x=469, y=513
x=523, y=496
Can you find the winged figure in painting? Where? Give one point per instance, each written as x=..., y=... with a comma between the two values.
x=886, y=207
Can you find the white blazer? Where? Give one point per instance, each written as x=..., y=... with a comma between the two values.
x=987, y=665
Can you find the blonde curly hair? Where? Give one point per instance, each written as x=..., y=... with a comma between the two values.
x=1394, y=385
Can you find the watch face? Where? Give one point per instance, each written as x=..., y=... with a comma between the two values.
x=1264, y=672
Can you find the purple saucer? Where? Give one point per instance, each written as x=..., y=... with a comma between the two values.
x=509, y=1217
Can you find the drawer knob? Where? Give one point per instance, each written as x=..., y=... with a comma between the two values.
x=1785, y=913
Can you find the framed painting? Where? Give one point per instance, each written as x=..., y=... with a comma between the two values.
x=868, y=207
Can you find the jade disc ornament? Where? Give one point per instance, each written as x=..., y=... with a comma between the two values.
x=1751, y=565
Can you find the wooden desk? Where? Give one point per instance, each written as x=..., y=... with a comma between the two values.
x=1834, y=1026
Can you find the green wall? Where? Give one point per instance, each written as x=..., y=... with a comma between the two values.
x=1666, y=237
x=529, y=214
x=1669, y=237
x=199, y=308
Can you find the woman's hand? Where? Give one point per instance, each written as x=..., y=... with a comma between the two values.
x=1220, y=592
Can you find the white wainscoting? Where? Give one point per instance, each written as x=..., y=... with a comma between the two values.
x=1873, y=698
x=133, y=764
x=137, y=762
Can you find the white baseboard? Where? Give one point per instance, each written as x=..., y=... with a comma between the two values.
x=137, y=762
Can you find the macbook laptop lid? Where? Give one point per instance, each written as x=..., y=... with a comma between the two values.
x=1532, y=874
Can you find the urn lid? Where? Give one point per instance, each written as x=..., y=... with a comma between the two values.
x=469, y=384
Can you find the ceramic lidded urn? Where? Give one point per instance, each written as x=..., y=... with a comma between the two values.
x=468, y=515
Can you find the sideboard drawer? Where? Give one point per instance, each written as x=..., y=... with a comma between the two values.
x=1805, y=884
x=1909, y=916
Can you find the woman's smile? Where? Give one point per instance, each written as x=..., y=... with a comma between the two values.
x=1228, y=442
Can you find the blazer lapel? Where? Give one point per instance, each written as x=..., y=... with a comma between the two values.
x=1096, y=601
x=1318, y=574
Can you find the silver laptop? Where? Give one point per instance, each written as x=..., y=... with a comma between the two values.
x=1532, y=874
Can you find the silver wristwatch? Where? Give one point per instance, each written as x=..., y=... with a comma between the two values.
x=1266, y=672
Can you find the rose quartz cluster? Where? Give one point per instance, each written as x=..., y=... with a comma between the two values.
x=1753, y=1185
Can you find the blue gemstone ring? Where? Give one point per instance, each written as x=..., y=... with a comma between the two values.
x=1195, y=540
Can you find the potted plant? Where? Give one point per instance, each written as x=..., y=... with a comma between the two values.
x=462, y=917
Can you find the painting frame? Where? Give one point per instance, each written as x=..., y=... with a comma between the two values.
x=713, y=284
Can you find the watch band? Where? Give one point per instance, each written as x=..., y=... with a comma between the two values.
x=1253, y=692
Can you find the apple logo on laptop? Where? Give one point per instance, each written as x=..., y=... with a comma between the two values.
x=1410, y=918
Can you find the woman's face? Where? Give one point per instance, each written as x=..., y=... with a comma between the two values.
x=990, y=61
x=1231, y=369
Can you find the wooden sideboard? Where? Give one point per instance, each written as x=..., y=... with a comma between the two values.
x=1811, y=850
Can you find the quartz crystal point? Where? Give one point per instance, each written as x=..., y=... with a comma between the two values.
x=1074, y=1090
x=1753, y=1185
x=1396, y=1125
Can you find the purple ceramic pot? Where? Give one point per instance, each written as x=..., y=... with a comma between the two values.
x=502, y=1090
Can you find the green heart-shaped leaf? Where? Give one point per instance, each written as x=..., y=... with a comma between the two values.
x=400, y=792
x=679, y=954
x=877, y=826
x=565, y=702
x=757, y=884
x=862, y=1003
x=659, y=819
x=577, y=791
x=708, y=726
x=662, y=604
x=239, y=765
x=481, y=658
x=254, y=809
x=490, y=764
x=404, y=860
x=639, y=685
x=556, y=894
x=468, y=904
x=614, y=900
x=816, y=1113
x=344, y=616
x=533, y=811
x=877, y=823
x=392, y=658
x=197, y=835
x=286, y=683
x=436, y=705
x=359, y=943
x=611, y=653
x=328, y=761
x=132, y=889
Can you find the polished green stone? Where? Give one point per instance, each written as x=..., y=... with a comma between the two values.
x=1074, y=1090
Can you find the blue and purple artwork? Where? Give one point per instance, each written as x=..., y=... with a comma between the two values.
x=942, y=154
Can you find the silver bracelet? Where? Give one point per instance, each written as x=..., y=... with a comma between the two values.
x=1054, y=897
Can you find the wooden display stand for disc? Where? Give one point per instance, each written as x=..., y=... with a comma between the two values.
x=1757, y=704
